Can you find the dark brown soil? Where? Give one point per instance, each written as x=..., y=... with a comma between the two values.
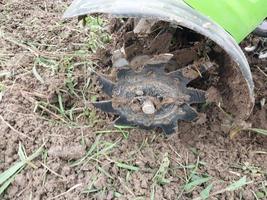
x=34, y=29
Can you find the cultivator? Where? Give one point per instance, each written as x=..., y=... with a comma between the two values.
x=153, y=98
x=159, y=60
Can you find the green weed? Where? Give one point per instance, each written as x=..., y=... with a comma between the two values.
x=98, y=36
x=239, y=130
x=8, y=176
x=126, y=166
x=90, y=188
x=247, y=168
x=261, y=193
x=258, y=131
x=232, y=187
x=2, y=89
x=124, y=130
x=98, y=149
x=160, y=176
x=195, y=179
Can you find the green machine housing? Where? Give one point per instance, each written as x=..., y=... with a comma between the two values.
x=238, y=17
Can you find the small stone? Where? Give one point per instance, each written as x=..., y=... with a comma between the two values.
x=119, y=59
x=139, y=92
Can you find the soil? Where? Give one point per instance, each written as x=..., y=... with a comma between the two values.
x=35, y=40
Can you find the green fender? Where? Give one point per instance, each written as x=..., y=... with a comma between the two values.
x=238, y=17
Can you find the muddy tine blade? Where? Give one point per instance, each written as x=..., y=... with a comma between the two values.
x=158, y=68
x=191, y=72
x=169, y=129
x=203, y=67
x=125, y=72
x=105, y=106
x=178, y=75
x=196, y=96
x=197, y=68
x=122, y=121
x=107, y=85
x=189, y=113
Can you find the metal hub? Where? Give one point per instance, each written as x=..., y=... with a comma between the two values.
x=153, y=98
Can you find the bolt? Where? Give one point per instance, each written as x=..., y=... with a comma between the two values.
x=148, y=107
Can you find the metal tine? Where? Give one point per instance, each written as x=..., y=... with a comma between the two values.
x=159, y=68
x=105, y=106
x=196, y=96
x=178, y=75
x=189, y=114
x=191, y=72
x=122, y=121
x=170, y=128
x=125, y=72
x=107, y=85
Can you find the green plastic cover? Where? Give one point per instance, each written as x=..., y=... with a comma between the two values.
x=238, y=17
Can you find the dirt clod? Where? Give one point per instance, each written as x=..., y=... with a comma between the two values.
x=67, y=152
